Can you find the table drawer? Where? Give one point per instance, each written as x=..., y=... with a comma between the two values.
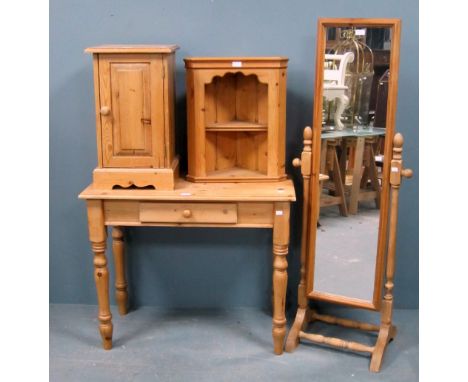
x=188, y=213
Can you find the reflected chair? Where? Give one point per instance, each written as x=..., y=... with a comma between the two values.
x=334, y=87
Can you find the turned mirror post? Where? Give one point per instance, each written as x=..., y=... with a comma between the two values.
x=351, y=166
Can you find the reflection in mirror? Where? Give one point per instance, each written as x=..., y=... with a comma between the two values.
x=355, y=88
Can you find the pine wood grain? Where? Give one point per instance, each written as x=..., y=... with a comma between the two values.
x=235, y=97
x=134, y=100
x=189, y=191
x=388, y=215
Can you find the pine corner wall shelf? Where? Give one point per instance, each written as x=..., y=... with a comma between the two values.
x=236, y=110
x=134, y=95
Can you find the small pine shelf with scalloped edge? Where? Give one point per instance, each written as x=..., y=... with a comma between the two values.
x=237, y=119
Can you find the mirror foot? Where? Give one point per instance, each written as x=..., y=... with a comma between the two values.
x=386, y=335
x=304, y=316
x=300, y=323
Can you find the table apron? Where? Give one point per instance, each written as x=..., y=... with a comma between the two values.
x=189, y=214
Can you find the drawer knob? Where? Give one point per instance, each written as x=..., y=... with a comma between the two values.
x=105, y=110
x=296, y=162
x=187, y=213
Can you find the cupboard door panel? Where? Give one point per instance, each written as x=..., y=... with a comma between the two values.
x=131, y=89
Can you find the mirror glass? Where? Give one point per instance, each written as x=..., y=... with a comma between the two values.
x=355, y=91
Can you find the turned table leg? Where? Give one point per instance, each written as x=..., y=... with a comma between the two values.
x=280, y=274
x=97, y=236
x=121, y=293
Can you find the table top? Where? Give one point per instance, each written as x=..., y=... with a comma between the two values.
x=350, y=133
x=282, y=191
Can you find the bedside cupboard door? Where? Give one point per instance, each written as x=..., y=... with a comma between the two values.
x=132, y=110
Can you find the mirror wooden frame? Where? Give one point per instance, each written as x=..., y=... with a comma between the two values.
x=310, y=169
x=323, y=24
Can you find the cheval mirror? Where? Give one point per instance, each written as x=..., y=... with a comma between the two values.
x=351, y=167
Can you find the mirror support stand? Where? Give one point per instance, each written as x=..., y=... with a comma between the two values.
x=305, y=315
x=303, y=312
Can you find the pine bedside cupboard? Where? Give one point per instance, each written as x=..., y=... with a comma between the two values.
x=134, y=91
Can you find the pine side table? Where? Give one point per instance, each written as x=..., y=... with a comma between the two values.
x=251, y=205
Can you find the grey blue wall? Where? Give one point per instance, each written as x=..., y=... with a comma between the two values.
x=203, y=267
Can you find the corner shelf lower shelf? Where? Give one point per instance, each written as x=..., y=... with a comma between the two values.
x=236, y=126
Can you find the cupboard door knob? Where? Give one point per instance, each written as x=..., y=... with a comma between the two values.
x=105, y=110
x=187, y=213
x=296, y=162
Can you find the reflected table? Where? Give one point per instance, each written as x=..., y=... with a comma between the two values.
x=363, y=163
